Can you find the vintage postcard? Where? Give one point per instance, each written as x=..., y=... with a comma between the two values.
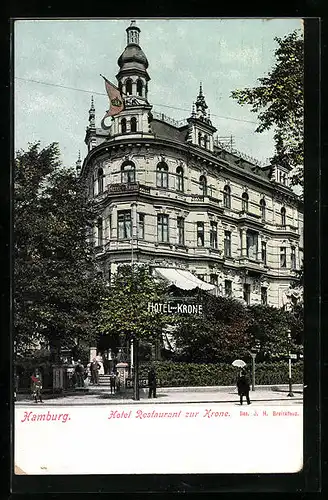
x=158, y=260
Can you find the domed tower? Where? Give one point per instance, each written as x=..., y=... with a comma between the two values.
x=133, y=81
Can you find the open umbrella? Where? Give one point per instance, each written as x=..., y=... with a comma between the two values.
x=239, y=363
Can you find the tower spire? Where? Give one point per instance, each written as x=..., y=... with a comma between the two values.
x=78, y=164
x=92, y=114
x=201, y=105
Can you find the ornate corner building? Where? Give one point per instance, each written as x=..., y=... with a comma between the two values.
x=170, y=194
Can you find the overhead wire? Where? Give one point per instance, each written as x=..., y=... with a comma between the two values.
x=104, y=94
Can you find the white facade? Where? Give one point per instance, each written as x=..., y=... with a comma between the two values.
x=168, y=194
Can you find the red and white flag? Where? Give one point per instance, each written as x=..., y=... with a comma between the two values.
x=115, y=99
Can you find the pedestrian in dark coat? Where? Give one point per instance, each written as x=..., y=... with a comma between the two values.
x=152, y=382
x=36, y=385
x=94, y=367
x=112, y=380
x=243, y=387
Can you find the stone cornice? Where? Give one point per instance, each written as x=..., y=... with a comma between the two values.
x=193, y=152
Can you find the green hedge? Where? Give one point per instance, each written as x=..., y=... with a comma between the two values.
x=174, y=374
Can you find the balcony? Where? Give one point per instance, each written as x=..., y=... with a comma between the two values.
x=199, y=198
x=287, y=228
x=250, y=217
x=252, y=265
x=130, y=187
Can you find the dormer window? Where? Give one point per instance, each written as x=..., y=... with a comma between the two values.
x=244, y=202
x=128, y=86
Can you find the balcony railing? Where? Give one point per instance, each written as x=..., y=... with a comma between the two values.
x=129, y=187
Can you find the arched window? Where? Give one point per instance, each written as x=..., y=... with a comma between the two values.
x=244, y=202
x=227, y=196
x=139, y=87
x=120, y=87
x=199, y=139
x=283, y=216
x=128, y=173
x=123, y=125
x=203, y=185
x=205, y=141
x=179, y=179
x=128, y=86
x=162, y=175
x=100, y=180
x=262, y=208
x=133, y=124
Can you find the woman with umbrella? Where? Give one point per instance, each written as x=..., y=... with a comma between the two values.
x=243, y=385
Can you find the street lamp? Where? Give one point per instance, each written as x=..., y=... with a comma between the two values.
x=253, y=353
x=290, y=393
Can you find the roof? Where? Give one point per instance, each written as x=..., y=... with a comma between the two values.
x=166, y=131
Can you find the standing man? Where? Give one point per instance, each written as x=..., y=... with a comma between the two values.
x=36, y=385
x=243, y=387
x=152, y=382
x=95, y=371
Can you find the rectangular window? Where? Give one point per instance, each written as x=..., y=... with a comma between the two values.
x=201, y=276
x=110, y=226
x=124, y=224
x=200, y=234
x=264, y=252
x=292, y=257
x=163, y=228
x=214, y=235
x=180, y=225
x=247, y=293
x=283, y=257
x=141, y=226
x=109, y=275
x=227, y=243
x=228, y=287
x=251, y=241
x=214, y=279
x=264, y=296
x=99, y=231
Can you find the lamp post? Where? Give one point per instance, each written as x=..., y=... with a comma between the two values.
x=253, y=353
x=290, y=393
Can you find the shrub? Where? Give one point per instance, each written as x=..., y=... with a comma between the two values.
x=174, y=374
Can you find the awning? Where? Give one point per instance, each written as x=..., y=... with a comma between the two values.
x=182, y=279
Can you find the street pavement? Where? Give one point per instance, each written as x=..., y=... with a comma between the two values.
x=272, y=395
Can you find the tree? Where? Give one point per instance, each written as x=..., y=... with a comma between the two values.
x=269, y=328
x=56, y=294
x=279, y=103
x=124, y=312
x=218, y=335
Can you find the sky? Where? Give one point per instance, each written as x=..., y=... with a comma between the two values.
x=223, y=54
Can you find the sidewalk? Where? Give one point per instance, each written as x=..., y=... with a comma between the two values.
x=169, y=395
